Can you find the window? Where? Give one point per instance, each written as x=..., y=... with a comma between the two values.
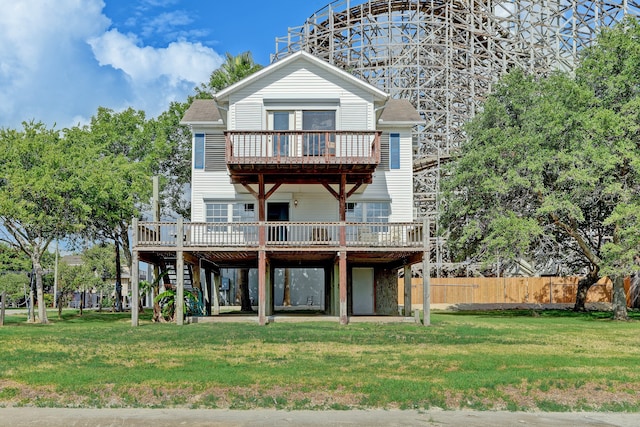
x=369, y=212
x=219, y=213
x=244, y=212
x=354, y=212
x=317, y=143
x=377, y=213
x=394, y=151
x=280, y=142
x=216, y=213
x=198, y=151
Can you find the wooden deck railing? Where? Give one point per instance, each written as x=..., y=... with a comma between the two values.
x=302, y=147
x=280, y=234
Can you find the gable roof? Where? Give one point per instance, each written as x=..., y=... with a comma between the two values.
x=202, y=111
x=300, y=56
x=399, y=111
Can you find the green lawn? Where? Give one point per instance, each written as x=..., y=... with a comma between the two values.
x=520, y=360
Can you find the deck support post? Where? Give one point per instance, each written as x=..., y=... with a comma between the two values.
x=135, y=288
x=335, y=288
x=344, y=319
x=215, y=291
x=179, y=298
x=426, y=273
x=407, y=290
x=268, y=288
x=135, y=274
x=262, y=287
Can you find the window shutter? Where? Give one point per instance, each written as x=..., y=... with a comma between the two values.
x=215, y=159
x=384, y=151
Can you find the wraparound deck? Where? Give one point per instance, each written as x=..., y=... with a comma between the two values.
x=265, y=245
x=280, y=235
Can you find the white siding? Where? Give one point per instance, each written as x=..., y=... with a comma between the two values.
x=394, y=185
x=310, y=84
x=315, y=207
x=354, y=116
x=208, y=186
x=248, y=116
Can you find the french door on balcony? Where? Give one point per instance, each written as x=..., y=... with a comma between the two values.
x=281, y=120
x=319, y=143
x=277, y=211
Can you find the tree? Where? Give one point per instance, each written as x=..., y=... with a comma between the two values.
x=39, y=201
x=71, y=278
x=14, y=284
x=173, y=143
x=234, y=69
x=611, y=69
x=548, y=164
x=99, y=264
x=14, y=266
x=119, y=182
x=13, y=260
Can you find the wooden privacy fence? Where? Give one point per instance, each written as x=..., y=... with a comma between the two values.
x=486, y=290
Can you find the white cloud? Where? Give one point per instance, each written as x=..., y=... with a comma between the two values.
x=179, y=62
x=60, y=60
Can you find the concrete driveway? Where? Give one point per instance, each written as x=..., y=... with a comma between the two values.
x=56, y=417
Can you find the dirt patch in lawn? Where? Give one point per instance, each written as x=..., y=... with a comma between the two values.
x=559, y=397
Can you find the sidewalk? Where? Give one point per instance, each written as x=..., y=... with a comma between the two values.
x=56, y=417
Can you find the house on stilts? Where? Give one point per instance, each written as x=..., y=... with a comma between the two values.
x=300, y=166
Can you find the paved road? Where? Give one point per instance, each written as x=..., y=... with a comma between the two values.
x=54, y=417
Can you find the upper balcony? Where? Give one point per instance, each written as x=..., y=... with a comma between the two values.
x=302, y=155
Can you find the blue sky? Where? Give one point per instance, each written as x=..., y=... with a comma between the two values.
x=62, y=59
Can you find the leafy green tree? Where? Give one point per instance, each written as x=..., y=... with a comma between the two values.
x=100, y=264
x=14, y=285
x=13, y=260
x=173, y=144
x=611, y=69
x=14, y=266
x=550, y=163
x=39, y=198
x=234, y=69
x=118, y=184
x=71, y=278
x=100, y=260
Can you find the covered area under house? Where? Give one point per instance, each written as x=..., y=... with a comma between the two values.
x=359, y=261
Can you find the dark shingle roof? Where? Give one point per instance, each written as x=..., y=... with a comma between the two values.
x=400, y=110
x=202, y=110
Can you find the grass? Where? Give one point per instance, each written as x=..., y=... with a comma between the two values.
x=510, y=360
